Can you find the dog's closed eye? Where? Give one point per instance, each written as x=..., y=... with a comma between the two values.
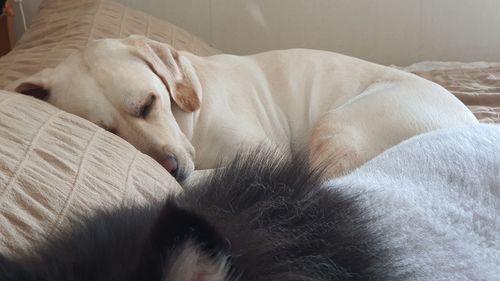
x=147, y=107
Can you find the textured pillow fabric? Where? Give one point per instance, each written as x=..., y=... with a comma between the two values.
x=63, y=26
x=54, y=164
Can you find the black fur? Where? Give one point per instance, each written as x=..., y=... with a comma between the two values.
x=268, y=214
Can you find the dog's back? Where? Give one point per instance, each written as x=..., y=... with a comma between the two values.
x=260, y=218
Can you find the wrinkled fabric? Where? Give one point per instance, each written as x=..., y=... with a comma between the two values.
x=54, y=165
x=477, y=87
x=64, y=26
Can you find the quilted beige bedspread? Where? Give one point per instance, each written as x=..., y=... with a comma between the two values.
x=63, y=26
x=477, y=87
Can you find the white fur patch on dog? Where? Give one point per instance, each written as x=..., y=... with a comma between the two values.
x=192, y=264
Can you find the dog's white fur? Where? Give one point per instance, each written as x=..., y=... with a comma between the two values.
x=339, y=107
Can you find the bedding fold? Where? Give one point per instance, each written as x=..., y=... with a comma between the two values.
x=54, y=165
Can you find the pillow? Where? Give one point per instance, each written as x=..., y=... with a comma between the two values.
x=63, y=26
x=54, y=165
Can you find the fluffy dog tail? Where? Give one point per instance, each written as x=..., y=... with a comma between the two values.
x=284, y=223
x=263, y=217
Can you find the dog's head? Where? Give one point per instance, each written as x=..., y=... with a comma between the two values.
x=130, y=87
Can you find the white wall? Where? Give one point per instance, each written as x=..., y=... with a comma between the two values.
x=385, y=31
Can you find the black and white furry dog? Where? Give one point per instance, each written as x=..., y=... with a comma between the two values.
x=260, y=218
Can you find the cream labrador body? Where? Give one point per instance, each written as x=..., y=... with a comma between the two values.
x=172, y=104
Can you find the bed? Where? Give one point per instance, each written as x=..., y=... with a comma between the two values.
x=54, y=165
x=476, y=84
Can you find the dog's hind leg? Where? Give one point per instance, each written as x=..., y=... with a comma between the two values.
x=335, y=149
x=381, y=117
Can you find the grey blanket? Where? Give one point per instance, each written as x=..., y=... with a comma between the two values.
x=436, y=198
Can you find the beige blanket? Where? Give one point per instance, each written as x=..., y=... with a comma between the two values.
x=477, y=87
x=63, y=26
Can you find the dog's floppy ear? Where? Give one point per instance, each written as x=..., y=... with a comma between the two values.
x=37, y=85
x=177, y=75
